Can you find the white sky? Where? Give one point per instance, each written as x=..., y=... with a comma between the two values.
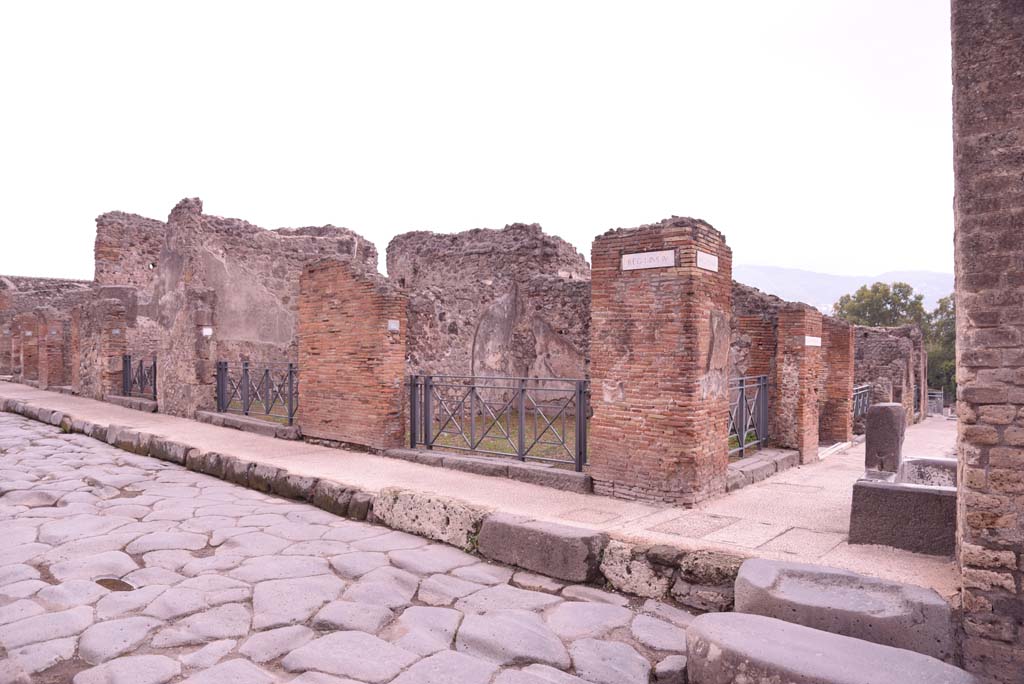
x=814, y=134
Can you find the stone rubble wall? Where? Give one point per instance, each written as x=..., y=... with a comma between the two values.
x=97, y=343
x=988, y=122
x=509, y=302
x=893, y=361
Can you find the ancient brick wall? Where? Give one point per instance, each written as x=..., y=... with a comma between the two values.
x=26, y=356
x=835, y=393
x=659, y=363
x=21, y=295
x=889, y=359
x=794, y=389
x=53, y=339
x=988, y=117
x=510, y=302
x=98, y=342
x=127, y=250
x=352, y=339
x=5, y=348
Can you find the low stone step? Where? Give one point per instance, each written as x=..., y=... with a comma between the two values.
x=843, y=602
x=723, y=648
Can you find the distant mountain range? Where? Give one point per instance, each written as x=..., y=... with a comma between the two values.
x=821, y=290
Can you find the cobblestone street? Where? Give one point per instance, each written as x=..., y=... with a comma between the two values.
x=116, y=568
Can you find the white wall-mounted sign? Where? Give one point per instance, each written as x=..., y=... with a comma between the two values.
x=393, y=325
x=207, y=331
x=811, y=341
x=665, y=258
x=709, y=262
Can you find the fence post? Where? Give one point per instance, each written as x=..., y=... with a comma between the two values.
x=521, y=408
x=245, y=387
x=428, y=411
x=762, y=431
x=291, y=393
x=126, y=375
x=154, y=378
x=221, y=386
x=581, y=425
x=414, y=388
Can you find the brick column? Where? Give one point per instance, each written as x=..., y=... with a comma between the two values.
x=659, y=358
x=97, y=346
x=5, y=349
x=794, y=395
x=352, y=344
x=835, y=423
x=52, y=350
x=988, y=123
x=27, y=326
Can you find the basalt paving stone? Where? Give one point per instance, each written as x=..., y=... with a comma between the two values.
x=205, y=581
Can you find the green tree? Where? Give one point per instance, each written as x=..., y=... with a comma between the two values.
x=881, y=305
x=941, y=345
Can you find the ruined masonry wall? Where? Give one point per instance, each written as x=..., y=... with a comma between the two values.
x=97, y=345
x=889, y=359
x=988, y=122
x=510, y=302
x=351, y=360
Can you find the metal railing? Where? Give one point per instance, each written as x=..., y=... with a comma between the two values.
x=917, y=399
x=261, y=390
x=748, y=414
x=536, y=419
x=861, y=400
x=936, y=400
x=138, y=379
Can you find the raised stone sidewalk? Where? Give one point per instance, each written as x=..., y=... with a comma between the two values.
x=689, y=556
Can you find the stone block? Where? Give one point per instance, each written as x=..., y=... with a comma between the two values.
x=711, y=598
x=167, y=450
x=843, y=602
x=360, y=506
x=723, y=648
x=556, y=478
x=262, y=477
x=294, y=486
x=886, y=425
x=560, y=551
x=208, y=462
x=237, y=470
x=755, y=469
x=431, y=458
x=495, y=467
x=429, y=515
x=735, y=480
x=918, y=518
x=332, y=497
x=784, y=460
x=629, y=570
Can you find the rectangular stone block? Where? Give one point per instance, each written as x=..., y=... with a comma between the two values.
x=556, y=478
x=437, y=517
x=560, y=551
x=494, y=467
x=917, y=518
x=883, y=442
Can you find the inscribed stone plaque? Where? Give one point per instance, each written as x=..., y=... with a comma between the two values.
x=665, y=258
x=709, y=262
x=811, y=341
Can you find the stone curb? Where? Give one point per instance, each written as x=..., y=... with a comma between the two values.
x=697, y=579
x=556, y=478
x=137, y=403
x=260, y=427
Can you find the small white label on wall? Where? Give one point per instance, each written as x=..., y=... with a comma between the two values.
x=115, y=331
x=207, y=331
x=28, y=333
x=709, y=262
x=811, y=341
x=393, y=325
x=665, y=258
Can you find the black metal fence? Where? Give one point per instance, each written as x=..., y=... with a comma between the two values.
x=748, y=414
x=861, y=400
x=138, y=378
x=536, y=419
x=260, y=390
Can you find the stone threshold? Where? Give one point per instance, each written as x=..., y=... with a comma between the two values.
x=137, y=403
x=759, y=466
x=700, y=580
x=266, y=428
x=498, y=466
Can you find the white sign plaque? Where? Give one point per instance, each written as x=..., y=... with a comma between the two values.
x=393, y=325
x=207, y=331
x=665, y=258
x=709, y=262
x=811, y=341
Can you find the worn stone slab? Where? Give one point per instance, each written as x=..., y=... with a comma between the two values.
x=274, y=643
x=577, y=619
x=609, y=662
x=350, y=654
x=106, y=640
x=722, y=647
x=46, y=627
x=141, y=669
x=332, y=497
x=503, y=596
x=230, y=621
x=444, y=590
x=657, y=634
x=560, y=551
x=535, y=582
x=263, y=568
x=209, y=655
x=43, y=655
x=671, y=670
x=580, y=592
x=115, y=564
x=447, y=667
x=387, y=586
x=511, y=637
x=349, y=616
x=494, y=467
x=556, y=478
x=431, y=559
x=843, y=602
x=423, y=630
x=437, y=517
x=277, y=603
x=236, y=671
